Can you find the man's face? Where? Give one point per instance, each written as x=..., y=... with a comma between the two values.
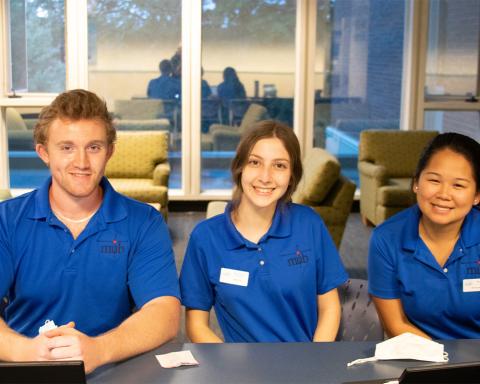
x=76, y=153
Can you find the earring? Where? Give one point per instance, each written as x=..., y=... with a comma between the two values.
x=416, y=188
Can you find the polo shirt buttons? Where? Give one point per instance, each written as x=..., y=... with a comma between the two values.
x=259, y=249
x=262, y=263
x=445, y=270
x=72, y=251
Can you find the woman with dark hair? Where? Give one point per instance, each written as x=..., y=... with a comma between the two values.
x=231, y=87
x=424, y=263
x=268, y=266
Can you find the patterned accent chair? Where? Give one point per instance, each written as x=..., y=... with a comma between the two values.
x=139, y=167
x=328, y=192
x=386, y=163
x=359, y=320
x=226, y=137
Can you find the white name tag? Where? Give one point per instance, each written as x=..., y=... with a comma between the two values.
x=471, y=285
x=233, y=276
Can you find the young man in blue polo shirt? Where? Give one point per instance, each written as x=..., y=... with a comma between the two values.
x=79, y=254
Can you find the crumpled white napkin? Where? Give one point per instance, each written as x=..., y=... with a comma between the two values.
x=176, y=359
x=407, y=346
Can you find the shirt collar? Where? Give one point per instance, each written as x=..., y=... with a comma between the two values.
x=281, y=227
x=409, y=232
x=41, y=209
x=112, y=209
x=468, y=233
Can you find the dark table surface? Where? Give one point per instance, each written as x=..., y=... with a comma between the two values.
x=271, y=363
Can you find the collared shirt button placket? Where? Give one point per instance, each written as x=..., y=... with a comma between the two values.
x=261, y=262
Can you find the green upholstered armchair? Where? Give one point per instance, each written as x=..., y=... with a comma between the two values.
x=226, y=137
x=5, y=194
x=386, y=163
x=139, y=167
x=145, y=114
x=328, y=192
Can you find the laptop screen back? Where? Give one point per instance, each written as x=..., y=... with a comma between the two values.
x=52, y=372
x=440, y=374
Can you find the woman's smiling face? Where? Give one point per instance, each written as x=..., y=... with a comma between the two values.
x=266, y=176
x=446, y=189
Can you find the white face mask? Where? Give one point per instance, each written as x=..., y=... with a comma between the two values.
x=407, y=346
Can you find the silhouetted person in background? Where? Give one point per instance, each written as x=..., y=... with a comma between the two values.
x=165, y=86
x=230, y=88
x=206, y=91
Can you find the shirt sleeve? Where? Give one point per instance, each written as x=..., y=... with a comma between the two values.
x=152, y=272
x=6, y=261
x=382, y=280
x=330, y=270
x=195, y=287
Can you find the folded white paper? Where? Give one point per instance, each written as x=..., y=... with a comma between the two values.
x=176, y=359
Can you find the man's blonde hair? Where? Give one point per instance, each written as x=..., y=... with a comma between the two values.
x=74, y=105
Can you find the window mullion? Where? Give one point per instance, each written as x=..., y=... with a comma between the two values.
x=76, y=42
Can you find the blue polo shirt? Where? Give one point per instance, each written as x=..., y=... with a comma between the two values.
x=292, y=263
x=122, y=258
x=400, y=266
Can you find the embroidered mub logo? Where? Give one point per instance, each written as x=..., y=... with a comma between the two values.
x=113, y=248
x=299, y=258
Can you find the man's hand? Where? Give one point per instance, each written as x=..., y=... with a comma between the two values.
x=38, y=348
x=67, y=343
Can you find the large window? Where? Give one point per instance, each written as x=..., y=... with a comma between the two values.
x=128, y=42
x=37, y=45
x=36, y=63
x=464, y=122
x=371, y=61
x=248, y=60
x=26, y=168
x=453, y=49
x=359, y=69
x=452, y=66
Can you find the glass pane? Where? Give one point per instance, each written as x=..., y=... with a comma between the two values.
x=358, y=68
x=37, y=45
x=467, y=123
x=26, y=168
x=248, y=61
x=128, y=40
x=453, y=48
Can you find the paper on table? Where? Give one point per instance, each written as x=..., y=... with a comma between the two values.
x=176, y=359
